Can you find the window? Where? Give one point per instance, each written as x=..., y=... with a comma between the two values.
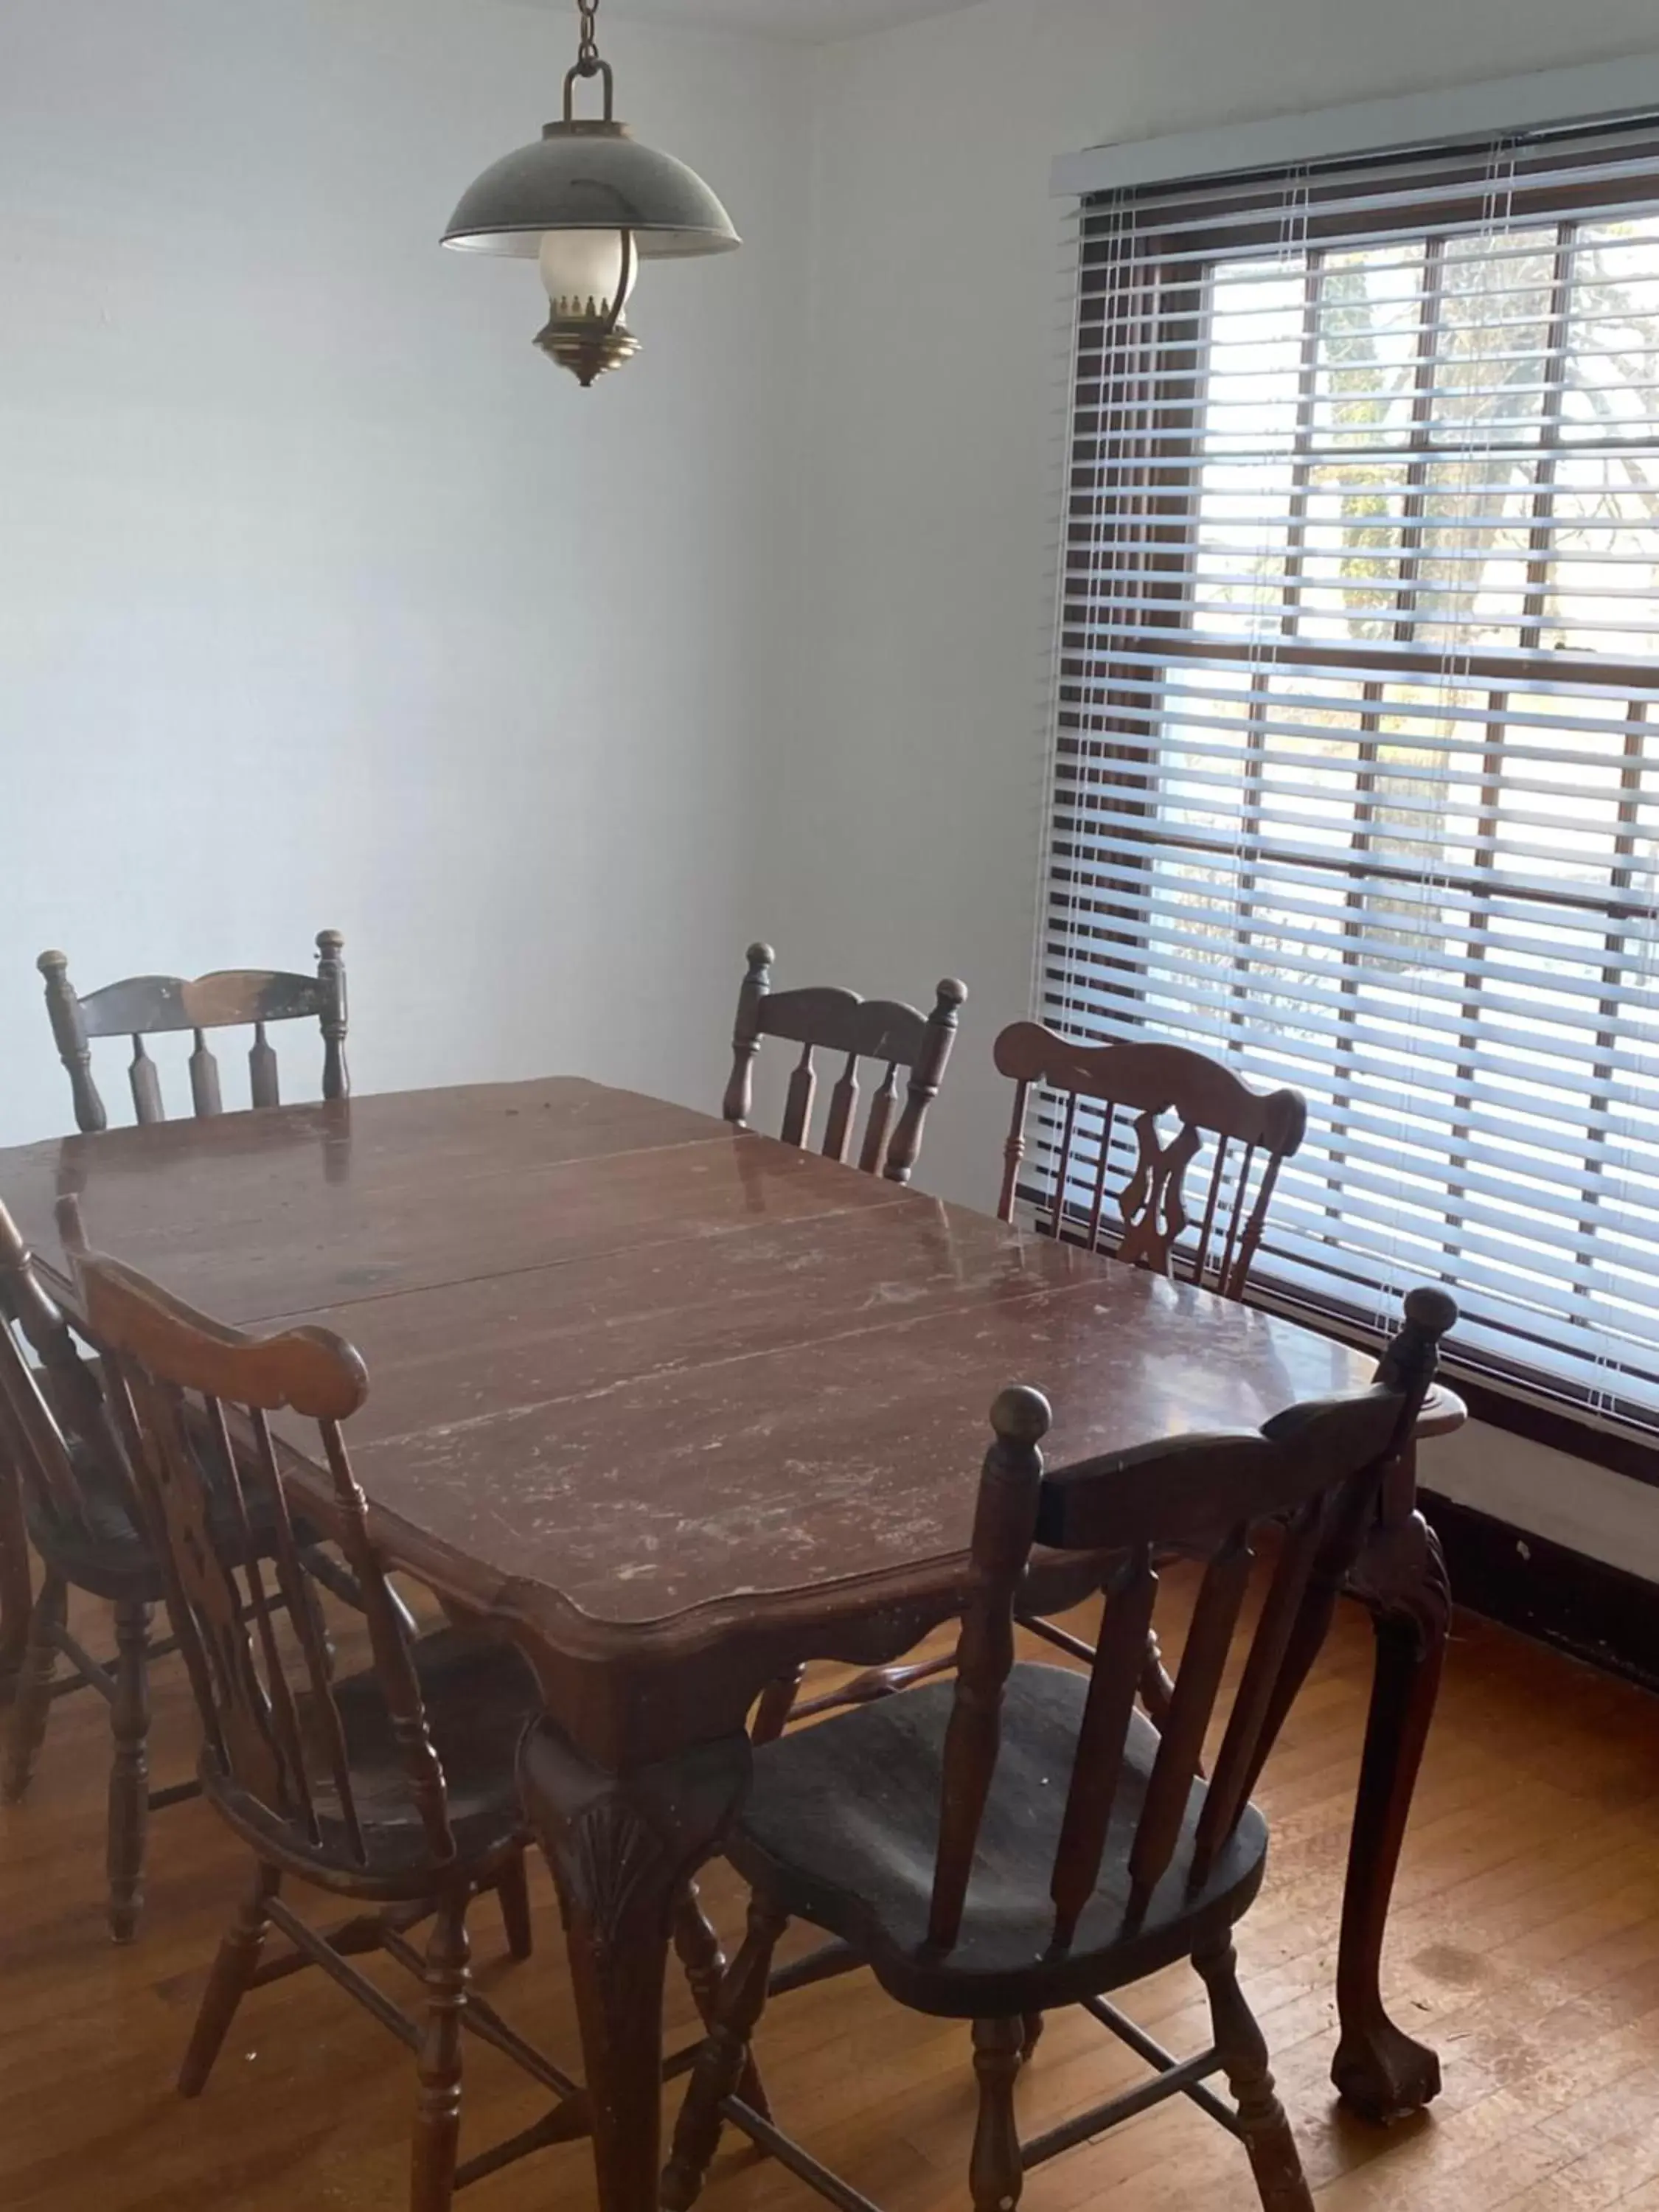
x=1356, y=775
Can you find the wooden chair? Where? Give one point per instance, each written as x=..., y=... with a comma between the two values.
x=1253, y=1132
x=1025, y=1838
x=151, y=1005
x=394, y=1787
x=82, y=1518
x=881, y=1031
x=1105, y=1086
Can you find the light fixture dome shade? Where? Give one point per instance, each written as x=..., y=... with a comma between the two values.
x=589, y=176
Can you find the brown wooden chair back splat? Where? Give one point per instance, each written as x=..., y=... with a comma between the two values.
x=1119, y=1092
x=1116, y=1097
x=233, y=998
x=1025, y=1838
x=394, y=1786
x=882, y=1031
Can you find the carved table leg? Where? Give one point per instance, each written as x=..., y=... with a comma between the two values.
x=622, y=1847
x=1381, y=2072
x=16, y=1597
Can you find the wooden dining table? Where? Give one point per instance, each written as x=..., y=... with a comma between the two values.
x=678, y=1409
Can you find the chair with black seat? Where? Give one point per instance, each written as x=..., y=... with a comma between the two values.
x=80, y=1511
x=883, y=1033
x=1025, y=1837
x=82, y=1515
x=393, y=1787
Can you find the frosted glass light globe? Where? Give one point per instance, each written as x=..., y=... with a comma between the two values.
x=585, y=271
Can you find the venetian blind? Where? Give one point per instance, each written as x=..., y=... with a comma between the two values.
x=1357, y=766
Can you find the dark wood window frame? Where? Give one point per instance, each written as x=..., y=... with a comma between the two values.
x=1146, y=349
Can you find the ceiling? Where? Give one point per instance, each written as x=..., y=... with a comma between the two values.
x=811, y=21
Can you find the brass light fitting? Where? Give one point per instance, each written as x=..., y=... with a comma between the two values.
x=589, y=203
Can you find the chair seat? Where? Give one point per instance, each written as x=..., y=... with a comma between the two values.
x=841, y=1828
x=103, y=1552
x=479, y=1697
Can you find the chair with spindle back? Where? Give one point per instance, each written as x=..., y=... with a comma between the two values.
x=394, y=1787
x=1026, y=1839
x=883, y=1031
x=890, y=1036
x=233, y=998
x=84, y=1521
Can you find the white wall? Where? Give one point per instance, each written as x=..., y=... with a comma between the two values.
x=324, y=598
x=906, y=792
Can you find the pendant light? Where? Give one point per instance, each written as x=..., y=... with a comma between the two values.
x=589, y=203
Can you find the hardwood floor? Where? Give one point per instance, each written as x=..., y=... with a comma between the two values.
x=1525, y=1945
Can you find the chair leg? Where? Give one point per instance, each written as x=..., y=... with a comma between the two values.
x=1157, y=1690
x=33, y=1701
x=1030, y=2033
x=697, y=1946
x=232, y=1975
x=128, y=1773
x=331, y=1574
x=994, y=2172
x=312, y=1601
x=513, y=1890
x=438, y=2107
x=723, y=2058
x=1275, y=2159
x=777, y=1702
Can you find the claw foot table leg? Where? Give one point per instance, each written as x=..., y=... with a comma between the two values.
x=1379, y=2070
x=622, y=1847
